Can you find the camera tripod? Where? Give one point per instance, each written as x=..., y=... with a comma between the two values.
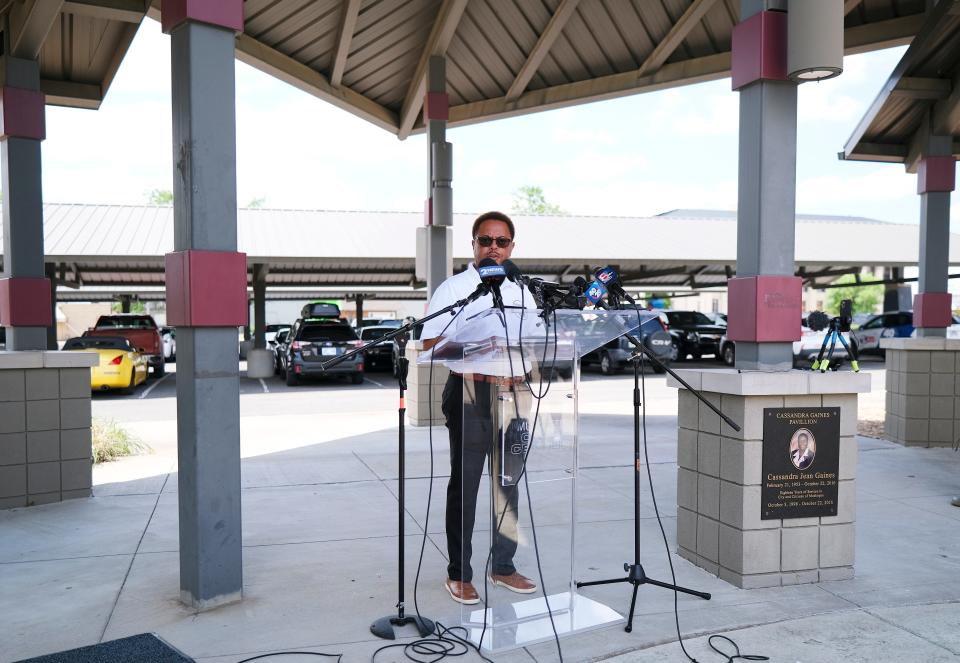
x=834, y=332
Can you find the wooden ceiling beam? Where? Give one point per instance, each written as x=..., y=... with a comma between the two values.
x=549, y=35
x=126, y=11
x=914, y=87
x=348, y=24
x=444, y=27
x=277, y=64
x=691, y=17
x=30, y=23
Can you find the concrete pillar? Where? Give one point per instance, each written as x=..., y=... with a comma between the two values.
x=936, y=177
x=896, y=296
x=125, y=301
x=24, y=290
x=260, y=306
x=765, y=296
x=206, y=297
x=435, y=240
x=359, y=314
x=50, y=269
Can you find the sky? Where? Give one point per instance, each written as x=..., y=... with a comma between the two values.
x=636, y=156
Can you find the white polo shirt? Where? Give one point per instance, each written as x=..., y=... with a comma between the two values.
x=462, y=285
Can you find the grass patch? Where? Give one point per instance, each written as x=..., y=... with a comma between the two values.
x=112, y=441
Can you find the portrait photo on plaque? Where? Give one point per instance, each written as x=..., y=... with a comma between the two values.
x=801, y=460
x=803, y=448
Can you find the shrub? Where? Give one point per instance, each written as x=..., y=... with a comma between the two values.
x=111, y=441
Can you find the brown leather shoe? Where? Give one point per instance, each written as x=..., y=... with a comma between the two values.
x=462, y=592
x=514, y=582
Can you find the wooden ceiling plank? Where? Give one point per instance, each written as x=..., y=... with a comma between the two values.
x=125, y=11
x=439, y=40
x=30, y=23
x=691, y=17
x=348, y=25
x=542, y=47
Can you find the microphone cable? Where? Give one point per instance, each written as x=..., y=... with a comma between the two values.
x=663, y=533
x=523, y=472
x=447, y=641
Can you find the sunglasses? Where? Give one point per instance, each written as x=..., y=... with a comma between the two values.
x=486, y=240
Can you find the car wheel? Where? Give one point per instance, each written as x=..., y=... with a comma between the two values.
x=292, y=379
x=159, y=369
x=675, y=354
x=729, y=354
x=696, y=356
x=658, y=369
x=357, y=378
x=606, y=365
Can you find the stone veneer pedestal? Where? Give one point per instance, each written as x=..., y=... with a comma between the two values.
x=719, y=479
x=420, y=393
x=923, y=391
x=46, y=452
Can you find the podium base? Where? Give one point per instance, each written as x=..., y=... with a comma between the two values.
x=514, y=625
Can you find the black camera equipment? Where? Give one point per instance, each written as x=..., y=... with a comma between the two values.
x=836, y=327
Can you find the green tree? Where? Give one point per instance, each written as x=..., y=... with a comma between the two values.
x=257, y=203
x=530, y=200
x=160, y=197
x=865, y=298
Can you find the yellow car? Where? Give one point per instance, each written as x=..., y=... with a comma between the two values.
x=120, y=367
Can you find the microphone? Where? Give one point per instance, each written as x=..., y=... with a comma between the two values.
x=492, y=275
x=609, y=277
x=595, y=292
x=514, y=274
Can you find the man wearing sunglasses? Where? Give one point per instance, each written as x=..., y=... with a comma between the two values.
x=475, y=426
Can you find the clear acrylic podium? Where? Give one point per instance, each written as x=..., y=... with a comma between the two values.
x=519, y=465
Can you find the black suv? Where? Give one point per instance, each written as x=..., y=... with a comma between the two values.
x=693, y=334
x=318, y=336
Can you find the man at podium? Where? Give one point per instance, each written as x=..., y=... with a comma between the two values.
x=471, y=407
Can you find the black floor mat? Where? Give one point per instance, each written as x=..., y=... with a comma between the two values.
x=143, y=648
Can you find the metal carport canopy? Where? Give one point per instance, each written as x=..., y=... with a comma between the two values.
x=124, y=246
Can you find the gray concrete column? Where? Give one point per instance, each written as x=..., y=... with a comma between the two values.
x=359, y=314
x=208, y=392
x=20, y=163
x=766, y=196
x=260, y=306
x=125, y=302
x=896, y=296
x=440, y=170
x=50, y=269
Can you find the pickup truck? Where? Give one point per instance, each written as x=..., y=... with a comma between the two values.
x=140, y=330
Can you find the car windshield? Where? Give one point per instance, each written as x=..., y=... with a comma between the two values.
x=370, y=333
x=684, y=318
x=328, y=333
x=127, y=322
x=97, y=343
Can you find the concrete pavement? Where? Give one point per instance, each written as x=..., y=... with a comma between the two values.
x=319, y=508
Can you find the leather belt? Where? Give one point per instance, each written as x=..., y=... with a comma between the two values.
x=499, y=380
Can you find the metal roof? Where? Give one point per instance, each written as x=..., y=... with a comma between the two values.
x=123, y=246
x=921, y=96
x=504, y=57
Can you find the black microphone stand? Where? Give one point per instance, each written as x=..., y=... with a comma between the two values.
x=636, y=576
x=384, y=627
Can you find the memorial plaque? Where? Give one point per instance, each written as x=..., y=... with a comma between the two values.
x=801, y=459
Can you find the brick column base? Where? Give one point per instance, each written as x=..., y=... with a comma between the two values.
x=719, y=480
